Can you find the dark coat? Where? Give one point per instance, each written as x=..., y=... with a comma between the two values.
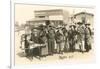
x=59, y=37
x=42, y=37
x=72, y=34
x=34, y=38
x=87, y=38
x=81, y=33
x=51, y=34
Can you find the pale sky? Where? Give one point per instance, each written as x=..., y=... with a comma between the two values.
x=24, y=12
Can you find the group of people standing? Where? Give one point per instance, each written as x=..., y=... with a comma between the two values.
x=60, y=39
x=76, y=38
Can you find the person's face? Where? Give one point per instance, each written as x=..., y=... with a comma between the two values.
x=72, y=28
x=69, y=28
x=35, y=33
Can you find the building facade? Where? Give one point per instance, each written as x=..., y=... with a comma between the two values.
x=54, y=17
x=84, y=17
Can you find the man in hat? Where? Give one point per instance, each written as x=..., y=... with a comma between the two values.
x=87, y=37
x=65, y=34
x=59, y=40
x=51, y=40
x=81, y=36
x=71, y=38
x=34, y=35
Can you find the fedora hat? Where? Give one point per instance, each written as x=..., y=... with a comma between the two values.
x=80, y=23
x=87, y=24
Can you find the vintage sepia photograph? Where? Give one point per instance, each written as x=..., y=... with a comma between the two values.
x=53, y=34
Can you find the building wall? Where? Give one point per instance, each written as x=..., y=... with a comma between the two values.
x=36, y=23
x=48, y=12
x=56, y=17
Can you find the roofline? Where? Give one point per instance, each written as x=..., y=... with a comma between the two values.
x=42, y=20
x=84, y=13
x=48, y=10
